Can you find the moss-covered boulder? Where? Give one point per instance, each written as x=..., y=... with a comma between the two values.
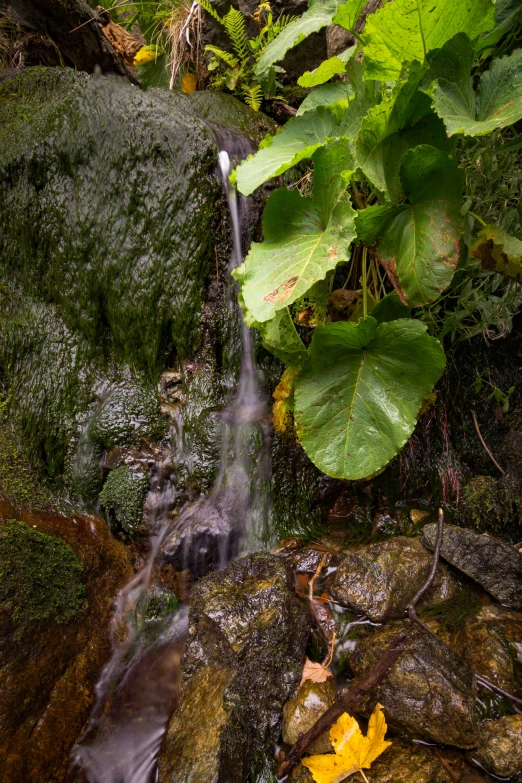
x=500, y=751
x=428, y=693
x=58, y=580
x=379, y=580
x=247, y=636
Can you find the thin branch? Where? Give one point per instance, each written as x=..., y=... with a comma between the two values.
x=412, y=614
x=488, y=452
x=347, y=699
x=487, y=684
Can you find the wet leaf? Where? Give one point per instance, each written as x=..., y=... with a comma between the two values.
x=498, y=252
x=497, y=101
x=304, y=239
x=189, y=83
x=353, y=751
x=326, y=95
x=418, y=244
x=407, y=30
x=327, y=69
x=315, y=672
x=359, y=393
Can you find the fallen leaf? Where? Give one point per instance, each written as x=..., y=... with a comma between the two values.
x=315, y=672
x=352, y=750
x=189, y=83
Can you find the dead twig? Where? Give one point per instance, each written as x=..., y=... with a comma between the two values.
x=487, y=684
x=412, y=614
x=347, y=699
x=488, y=452
x=447, y=767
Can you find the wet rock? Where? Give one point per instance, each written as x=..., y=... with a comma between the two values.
x=401, y=762
x=428, y=692
x=307, y=560
x=379, y=580
x=50, y=662
x=487, y=651
x=300, y=714
x=500, y=750
x=247, y=637
x=493, y=564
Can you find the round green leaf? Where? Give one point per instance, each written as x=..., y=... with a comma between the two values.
x=358, y=395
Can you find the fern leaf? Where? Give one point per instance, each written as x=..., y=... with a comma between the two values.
x=234, y=23
x=253, y=96
x=228, y=58
x=209, y=8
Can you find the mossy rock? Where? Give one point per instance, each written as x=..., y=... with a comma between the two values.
x=122, y=497
x=40, y=576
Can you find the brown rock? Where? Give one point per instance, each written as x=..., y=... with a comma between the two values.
x=300, y=714
x=483, y=647
x=500, y=751
x=47, y=678
x=380, y=580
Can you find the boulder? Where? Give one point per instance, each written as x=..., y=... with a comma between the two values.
x=60, y=579
x=500, y=750
x=380, y=580
x=300, y=714
x=247, y=636
x=486, y=650
x=494, y=565
x=428, y=693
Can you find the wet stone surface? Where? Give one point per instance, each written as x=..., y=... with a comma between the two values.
x=244, y=658
x=300, y=714
x=380, y=580
x=500, y=751
x=494, y=565
x=428, y=692
x=486, y=649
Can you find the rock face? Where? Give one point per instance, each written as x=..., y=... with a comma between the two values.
x=493, y=564
x=485, y=649
x=500, y=751
x=300, y=714
x=52, y=647
x=428, y=693
x=247, y=637
x=380, y=580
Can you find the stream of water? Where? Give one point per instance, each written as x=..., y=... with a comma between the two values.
x=139, y=688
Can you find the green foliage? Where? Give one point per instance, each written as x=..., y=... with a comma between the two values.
x=40, y=577
x=122, y=497
x=238, y=71
x=388, y=140
x=358, y=395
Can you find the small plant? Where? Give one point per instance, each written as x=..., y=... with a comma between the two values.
x=237, y=70
x=502, y=398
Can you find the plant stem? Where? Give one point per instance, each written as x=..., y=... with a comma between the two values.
x=488, y=452
x=364, y=776
x=364, y=282
x=482, y=222
x=412, y=613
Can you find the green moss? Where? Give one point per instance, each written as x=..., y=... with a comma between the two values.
x=453, y=613
x=39, y=575
x=17, y=480
x=489, y=505
x=122, y=497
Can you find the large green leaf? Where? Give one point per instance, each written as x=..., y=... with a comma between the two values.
x=497, y=101
x=389, y=308
x=498, y=252
x=348, y=14
x=405, y=30
x=358, y=395
x=418, y=243
x=319, y=15
x=326, y=95
x=327, y=69
x=304, y=238
x=508, y=14
x=297, y=140
x=400, y=122
x=279, y=336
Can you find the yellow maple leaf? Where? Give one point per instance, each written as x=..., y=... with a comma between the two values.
x=352, y=750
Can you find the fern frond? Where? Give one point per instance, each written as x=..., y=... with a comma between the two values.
x=209, y=8
x=253, y=96
x=234, y=23
x=228, y=58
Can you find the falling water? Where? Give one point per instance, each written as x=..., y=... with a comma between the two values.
x=139, y=687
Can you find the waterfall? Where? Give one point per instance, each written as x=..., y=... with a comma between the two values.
x=139, y=688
